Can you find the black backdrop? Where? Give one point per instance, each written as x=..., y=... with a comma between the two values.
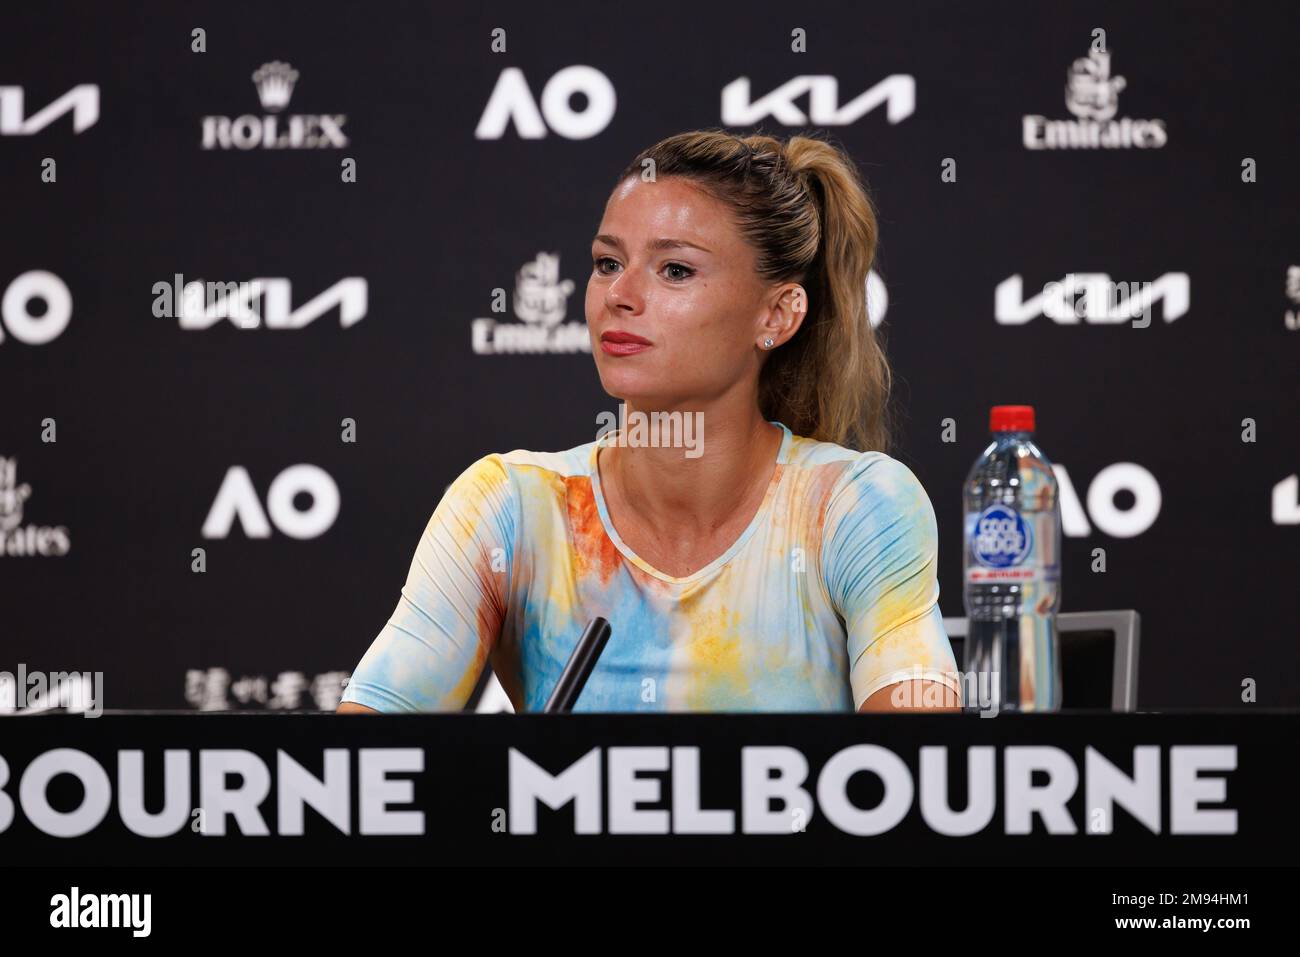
x=150, y=416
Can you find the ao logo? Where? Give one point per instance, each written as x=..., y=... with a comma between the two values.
x=512, y=100
x=1122, y=476
x=237, y=497
x=15, y=308
x=897, y=93
x=82, y=101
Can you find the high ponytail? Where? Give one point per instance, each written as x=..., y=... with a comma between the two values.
x=802, y=205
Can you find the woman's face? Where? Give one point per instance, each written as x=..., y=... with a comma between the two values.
x=674, y=304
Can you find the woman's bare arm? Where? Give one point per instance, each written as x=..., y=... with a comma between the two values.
x=351, y=707
x=916, y=695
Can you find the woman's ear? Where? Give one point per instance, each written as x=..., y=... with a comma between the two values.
x=786, y=310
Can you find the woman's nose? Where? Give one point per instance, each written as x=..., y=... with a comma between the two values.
x=624, y=293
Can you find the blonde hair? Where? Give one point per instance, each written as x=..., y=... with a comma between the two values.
x=803, y=207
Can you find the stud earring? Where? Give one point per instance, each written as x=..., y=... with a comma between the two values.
x=768, y=342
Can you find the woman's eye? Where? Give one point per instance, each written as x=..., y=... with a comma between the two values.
x=601, y=262
x=678, y=272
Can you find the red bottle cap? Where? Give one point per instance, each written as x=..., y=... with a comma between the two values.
x=1011, y=418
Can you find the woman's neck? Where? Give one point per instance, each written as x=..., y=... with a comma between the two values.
x=695, y=491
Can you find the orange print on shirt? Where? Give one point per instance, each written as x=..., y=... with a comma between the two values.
x=593, y=549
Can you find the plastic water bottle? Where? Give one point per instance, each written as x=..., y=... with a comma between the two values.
x=1012, y=536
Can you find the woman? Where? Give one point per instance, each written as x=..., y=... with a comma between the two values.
x=771, y=567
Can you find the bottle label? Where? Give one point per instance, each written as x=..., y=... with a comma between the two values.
x=1002, y=544
x=1001, y=538
x=983, y=575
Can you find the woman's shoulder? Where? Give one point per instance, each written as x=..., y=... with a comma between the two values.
x=524, y=464
x=865, y=502
x=506, y=486
x=847, y=481
x=849, y=464
x=566, y=463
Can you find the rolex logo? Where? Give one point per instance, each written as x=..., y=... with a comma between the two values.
x=275, y=129
x=275, y=82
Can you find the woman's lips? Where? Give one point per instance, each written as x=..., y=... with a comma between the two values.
x=623, y=344
x=622, y=348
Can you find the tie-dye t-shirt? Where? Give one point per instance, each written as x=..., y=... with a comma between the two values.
x=827, y=596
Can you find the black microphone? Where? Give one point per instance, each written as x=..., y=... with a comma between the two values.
x=579, y=667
